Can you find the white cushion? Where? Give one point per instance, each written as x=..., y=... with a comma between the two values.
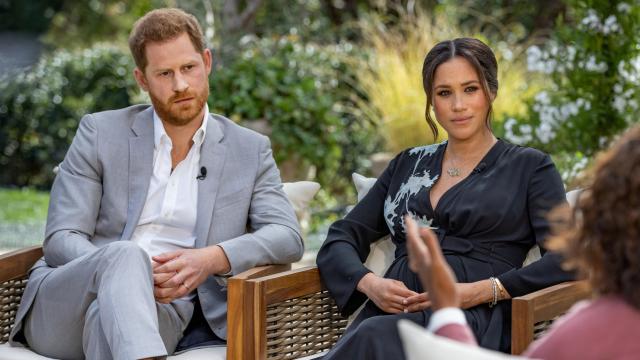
x=8, y=352
x=207, y=353
x=419, y=344
x=300, y=194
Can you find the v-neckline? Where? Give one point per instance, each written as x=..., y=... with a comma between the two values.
x=485, y=159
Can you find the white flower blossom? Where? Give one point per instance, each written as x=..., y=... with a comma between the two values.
x=525, y=132
x=545, y=133
x=592, y=65
x=624, y=8
x=575, y=169
x=591, y=21
x=553, y=116
x=554, y=59
x=610, y=25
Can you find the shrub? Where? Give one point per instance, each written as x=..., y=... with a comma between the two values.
x=305, y=93
x=40, y=108
x=594, y=65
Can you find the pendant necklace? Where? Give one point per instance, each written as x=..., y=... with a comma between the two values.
x=454, y=170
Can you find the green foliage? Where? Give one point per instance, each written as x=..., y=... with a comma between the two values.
x=40, y=109
x=505, y=18
x=594, y=66
x=304, y=94
x=81, y=24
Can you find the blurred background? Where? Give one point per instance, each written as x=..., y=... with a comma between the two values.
x=336, y=84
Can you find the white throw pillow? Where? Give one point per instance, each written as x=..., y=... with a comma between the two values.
x=300, y=194
x=419, y=344
x=382, y=252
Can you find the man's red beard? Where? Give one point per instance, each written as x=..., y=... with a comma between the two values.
x=179, y=114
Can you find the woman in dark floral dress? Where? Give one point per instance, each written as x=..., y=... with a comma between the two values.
x=485, y=198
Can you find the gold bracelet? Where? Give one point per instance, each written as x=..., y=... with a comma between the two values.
x=494, y=287
x=502, y=292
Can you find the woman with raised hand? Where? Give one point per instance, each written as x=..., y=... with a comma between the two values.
x=486, y=198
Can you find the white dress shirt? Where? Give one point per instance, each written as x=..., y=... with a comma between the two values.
x=168, y=218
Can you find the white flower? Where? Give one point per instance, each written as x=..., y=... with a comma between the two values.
x=525, y=132
x=593, y=65
x=592, y=21
x=543, y=97
x=617, y=88
x=545, y=133
x=620, y=104
x=624, y=8
x=610, y=25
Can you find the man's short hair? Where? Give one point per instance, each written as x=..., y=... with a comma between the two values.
x=162, y=25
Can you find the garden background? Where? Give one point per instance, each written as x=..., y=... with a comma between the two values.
x=336, y=84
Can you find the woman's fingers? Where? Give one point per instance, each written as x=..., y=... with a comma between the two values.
x=422, y=297
x=419, y=306
x=399, y=288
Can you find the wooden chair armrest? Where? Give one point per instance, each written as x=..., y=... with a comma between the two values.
x=287, y=312
x=260, y=271
x=542, y=306
x=16, y=264
x=240, y=316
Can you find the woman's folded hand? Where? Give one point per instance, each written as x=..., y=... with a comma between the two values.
x=389, y=295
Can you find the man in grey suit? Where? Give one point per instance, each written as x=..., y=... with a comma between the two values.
x=151, y=208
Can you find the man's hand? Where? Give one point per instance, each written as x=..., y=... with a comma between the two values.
x=426, y=259
x=179, y=272
x=389, y=295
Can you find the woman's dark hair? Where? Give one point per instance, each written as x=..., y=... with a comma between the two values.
x=602, y=240
x=477, y=53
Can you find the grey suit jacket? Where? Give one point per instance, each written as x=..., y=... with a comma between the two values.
x=101, y=188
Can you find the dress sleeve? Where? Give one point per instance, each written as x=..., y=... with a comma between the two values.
x=544, y=191
x=340, y=259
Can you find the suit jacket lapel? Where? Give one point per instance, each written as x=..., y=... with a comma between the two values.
x=140, y=168
x=212, y=157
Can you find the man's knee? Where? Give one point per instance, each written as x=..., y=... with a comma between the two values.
x=126, y=252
